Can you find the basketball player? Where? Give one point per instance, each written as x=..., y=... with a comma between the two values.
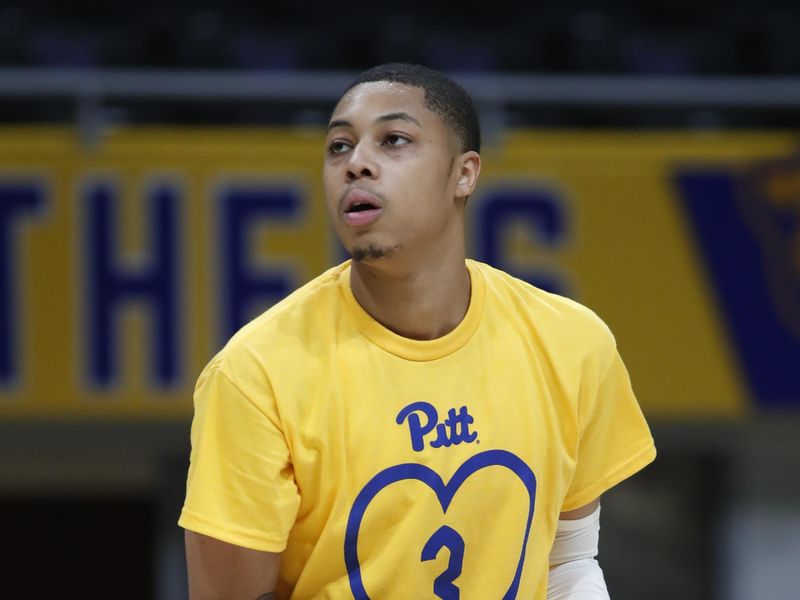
x=410, y=424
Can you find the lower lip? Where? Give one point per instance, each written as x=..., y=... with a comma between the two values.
x=363, y=217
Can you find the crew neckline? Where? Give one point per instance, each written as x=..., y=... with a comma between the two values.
x=408, y=348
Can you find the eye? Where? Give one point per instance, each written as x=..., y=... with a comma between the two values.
x=395, y=139
x=338, y=147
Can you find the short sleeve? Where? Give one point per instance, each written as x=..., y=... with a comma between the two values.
x=240, y=487
x=614, y=439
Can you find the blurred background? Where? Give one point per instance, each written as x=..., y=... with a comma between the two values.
x=160, y=186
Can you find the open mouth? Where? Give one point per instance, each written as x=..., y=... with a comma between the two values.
x=361, y=210
x=360, y=207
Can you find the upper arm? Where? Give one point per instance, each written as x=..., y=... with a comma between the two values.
x=241, y=485
x=579, y=513
x=613, y=439
x=218, y=569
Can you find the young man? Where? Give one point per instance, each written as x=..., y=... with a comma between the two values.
x=410, y=424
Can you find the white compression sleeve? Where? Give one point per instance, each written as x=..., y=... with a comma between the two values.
x=574, y=573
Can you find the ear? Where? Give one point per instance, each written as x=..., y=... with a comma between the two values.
x=468, y=171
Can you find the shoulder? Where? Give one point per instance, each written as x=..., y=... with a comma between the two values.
x=299, y=323
x=559, y=321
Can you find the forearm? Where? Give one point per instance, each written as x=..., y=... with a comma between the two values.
x=574, y=572
x=217, y=570
x=577, y=580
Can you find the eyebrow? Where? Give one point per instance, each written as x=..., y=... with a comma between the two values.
x=396, y=116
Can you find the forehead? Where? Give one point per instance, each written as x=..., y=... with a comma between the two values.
x=369, y=101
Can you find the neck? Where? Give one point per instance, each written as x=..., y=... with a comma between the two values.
x=423, y=303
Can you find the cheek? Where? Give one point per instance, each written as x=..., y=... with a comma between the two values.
x=328, y=189
x=327, y=176
x=432, y=182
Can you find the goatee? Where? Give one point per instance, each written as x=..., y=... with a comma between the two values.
x=373, y=251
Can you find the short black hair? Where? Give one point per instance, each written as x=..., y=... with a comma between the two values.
x=443, y=96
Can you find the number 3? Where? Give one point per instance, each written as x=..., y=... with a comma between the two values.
x=446, y=537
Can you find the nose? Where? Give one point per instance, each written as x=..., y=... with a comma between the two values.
x=361, y=164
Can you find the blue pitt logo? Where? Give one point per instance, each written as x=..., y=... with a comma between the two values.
x=423, y=419
x=454, y=430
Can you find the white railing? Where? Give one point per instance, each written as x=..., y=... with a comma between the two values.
x=91, y=91
x=584, y=90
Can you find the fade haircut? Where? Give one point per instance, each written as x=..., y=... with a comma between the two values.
x=443, y=96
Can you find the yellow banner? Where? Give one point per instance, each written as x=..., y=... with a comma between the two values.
x=125, y=265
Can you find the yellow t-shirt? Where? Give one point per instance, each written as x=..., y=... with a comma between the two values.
x=389, y=468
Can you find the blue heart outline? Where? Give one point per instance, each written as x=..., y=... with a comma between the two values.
x=444, y=492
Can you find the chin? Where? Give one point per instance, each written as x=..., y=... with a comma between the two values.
x=372, y=251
